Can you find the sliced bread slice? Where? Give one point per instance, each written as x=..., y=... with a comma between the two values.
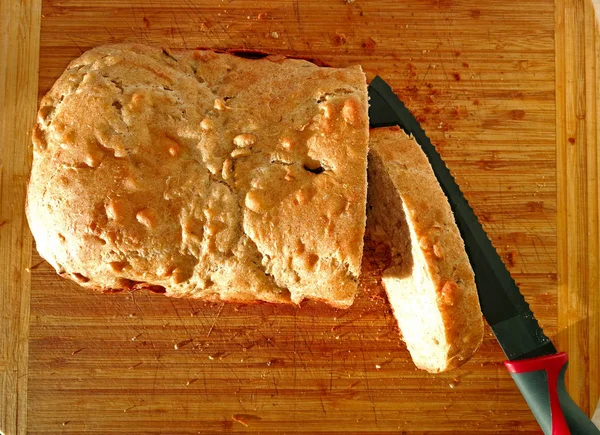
x=430, y=283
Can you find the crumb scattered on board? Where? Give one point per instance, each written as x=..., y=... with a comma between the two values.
x=369, y=44
x=183, y=343
x=245, y=419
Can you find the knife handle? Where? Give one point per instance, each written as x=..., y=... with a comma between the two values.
x=542, y=383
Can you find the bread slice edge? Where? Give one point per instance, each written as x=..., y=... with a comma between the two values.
x=430, y=283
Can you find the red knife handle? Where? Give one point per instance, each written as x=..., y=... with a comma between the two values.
x=542, y=383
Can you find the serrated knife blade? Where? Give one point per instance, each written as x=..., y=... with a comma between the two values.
x=533, y=361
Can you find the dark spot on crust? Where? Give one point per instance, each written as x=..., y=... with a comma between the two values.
x=571, y=140
x=129, y=284
x=248, y=54
x=155, y=288
x=318, y=170
x=269, y=56
x=126, y=284
x=79, y=278
x=118, y=84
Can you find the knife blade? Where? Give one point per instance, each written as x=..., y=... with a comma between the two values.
x=533, y=361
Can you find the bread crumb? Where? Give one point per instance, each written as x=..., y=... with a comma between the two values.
x=339, y=39
x=274, y=35
x=369, y=44
x=510, y=258
x=182, y=344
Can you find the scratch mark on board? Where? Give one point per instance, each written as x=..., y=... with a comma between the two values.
x=215, y=321
x=366, y=376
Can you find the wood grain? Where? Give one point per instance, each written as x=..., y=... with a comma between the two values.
x=19, y=51
x=482, y=78
x=578, y=163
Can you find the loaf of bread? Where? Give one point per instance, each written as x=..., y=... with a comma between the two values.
x=203, y=175
x=430, y=283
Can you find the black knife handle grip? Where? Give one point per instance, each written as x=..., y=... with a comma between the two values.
x=542, y=383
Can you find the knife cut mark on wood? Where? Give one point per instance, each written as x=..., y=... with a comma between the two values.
x=215, y=321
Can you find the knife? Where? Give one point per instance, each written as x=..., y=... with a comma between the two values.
x=533, y=362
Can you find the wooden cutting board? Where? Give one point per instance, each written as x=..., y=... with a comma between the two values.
x=507, y=92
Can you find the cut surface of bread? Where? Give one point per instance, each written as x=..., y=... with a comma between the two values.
x=203, y=175
x=430, y=283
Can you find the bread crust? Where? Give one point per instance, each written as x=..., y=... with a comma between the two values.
x=202, y=174
x=425, y=208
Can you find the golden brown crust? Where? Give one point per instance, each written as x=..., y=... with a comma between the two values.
x=435, y=235
x=203, y=174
